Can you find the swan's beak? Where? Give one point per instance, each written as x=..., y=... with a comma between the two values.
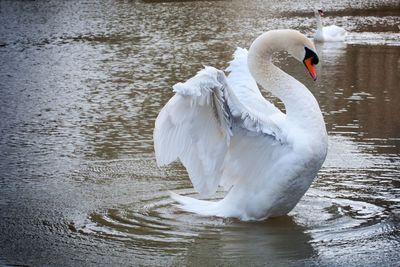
x=310, y=68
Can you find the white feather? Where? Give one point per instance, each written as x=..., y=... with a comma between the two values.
x=194, y=127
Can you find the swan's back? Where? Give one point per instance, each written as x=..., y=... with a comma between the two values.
x=334, y=33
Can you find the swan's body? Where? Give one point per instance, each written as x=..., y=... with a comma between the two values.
x=225, y=133
x=330, y=33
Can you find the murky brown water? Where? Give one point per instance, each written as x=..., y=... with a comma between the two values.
x=81, y=83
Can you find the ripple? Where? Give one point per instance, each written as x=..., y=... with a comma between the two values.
x=156, y=223
x=340, y=210
x=338, y=224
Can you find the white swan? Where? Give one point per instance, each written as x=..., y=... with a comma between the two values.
x=225, y=133
x=330, y=33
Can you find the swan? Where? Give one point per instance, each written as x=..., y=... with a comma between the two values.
x=330, y=33
x=227, y=134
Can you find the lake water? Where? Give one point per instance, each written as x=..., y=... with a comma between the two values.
x=81, y=83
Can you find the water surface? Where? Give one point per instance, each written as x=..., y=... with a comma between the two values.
x=81, y=84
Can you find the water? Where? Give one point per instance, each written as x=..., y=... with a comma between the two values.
x=81, y=83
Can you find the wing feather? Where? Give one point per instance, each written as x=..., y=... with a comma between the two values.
x=197, y=124
x=251, y=110
x=194, y=126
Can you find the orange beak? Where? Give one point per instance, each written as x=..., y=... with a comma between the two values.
x=310, y=68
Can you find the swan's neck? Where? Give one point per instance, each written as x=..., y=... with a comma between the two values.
x=301, y=106
x=319, y=22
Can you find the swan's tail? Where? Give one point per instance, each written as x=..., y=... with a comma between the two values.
x=201, y=207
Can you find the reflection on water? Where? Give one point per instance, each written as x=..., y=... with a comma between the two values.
x=276, y=240
x=81, y=84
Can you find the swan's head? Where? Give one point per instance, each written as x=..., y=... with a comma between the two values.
x=319, y=12
x=295, y=43
x=310, y=60
x=303, y=49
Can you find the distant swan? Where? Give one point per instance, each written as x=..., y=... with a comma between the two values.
x=330, y=33
x=226, y=133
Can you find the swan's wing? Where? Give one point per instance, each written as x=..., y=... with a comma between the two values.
x=254, y=157
x=245, y=87
x=249, y=108
x=239, y=78
x=194, y=126
x=260, y=137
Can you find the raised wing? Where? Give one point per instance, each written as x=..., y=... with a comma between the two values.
x=246, y=102
x=254, y=114
x=196, y=124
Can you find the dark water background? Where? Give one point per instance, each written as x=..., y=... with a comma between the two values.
x=81, y=83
